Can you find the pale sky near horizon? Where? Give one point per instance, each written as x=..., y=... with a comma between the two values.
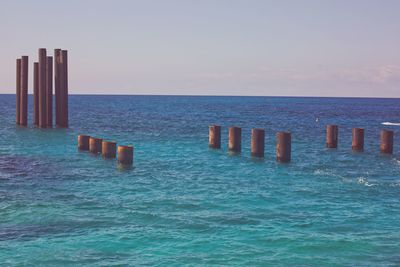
x=211, y=47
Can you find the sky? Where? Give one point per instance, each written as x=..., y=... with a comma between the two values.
x=210, y=47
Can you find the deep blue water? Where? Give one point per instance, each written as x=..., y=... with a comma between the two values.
x=184, y=204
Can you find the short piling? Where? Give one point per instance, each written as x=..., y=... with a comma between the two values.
x=125, y=155
x=257, y=142
x=235, y=139
x=49, y=92
x=36, y=93
x=357, y=143
x=42, y=87
x=109, y=149
x=95, y=145
x=214, y=136
x=24, y=92
x=332, y=133
x=283, y=147
x=83, y=142
x=387, y=141
x=18, y=93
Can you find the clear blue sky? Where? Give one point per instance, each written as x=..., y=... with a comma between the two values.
x=212, y=47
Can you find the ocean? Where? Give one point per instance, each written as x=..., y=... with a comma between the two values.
x=183, y=204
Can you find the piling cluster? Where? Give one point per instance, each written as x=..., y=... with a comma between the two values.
x=43, y=77
x=108, y=149
x=284, y=141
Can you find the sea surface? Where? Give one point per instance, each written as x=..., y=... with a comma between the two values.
x=183, y=204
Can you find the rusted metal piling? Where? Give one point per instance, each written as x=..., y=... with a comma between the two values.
x=357, y=142
x=283, y=147
x=18, y=92
x=49, y=92
x=332, y=134
x=24, y=92
x=235, y=139
x=63, y=90
x=387, y=141
x=95, y=145
x=109, y=149
x=57, y=61
x=42, y=88
x=83, y=142
x=214, y=136
x=36, y=93
x=125, y=155
x=257, y=142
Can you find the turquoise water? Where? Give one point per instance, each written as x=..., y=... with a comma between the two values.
x=184, y=204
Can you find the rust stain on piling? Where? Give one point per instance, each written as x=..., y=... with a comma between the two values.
x=283, y=147
x=235, y=139
x=42, y=87
x=109, y=149
x=49, y=92
x=125, y=155
x=257, y=142
x=24, y=92
x=83, y=142
x=95, y=145
x=214, y=137
x=36, y=93
x=387, y=141
x=357, y=142
x=332, y=134
x=18, y=92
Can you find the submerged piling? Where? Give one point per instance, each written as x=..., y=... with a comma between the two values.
x=387, y=141
x=83, y=142
x=283, y=147
x=332, y=133
x=257, y=142
x=235, y=139
x=357, y=142
x=18, y=92
x=36, y=93
x=24, y=92
x=125, y=155
x=214, y=136
x=109, y=149
x=95, y=145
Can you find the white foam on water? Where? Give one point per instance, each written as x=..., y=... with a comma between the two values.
x=391, y=123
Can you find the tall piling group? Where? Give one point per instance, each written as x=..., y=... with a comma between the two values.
x=43, y=74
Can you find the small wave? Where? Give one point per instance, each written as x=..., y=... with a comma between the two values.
x=391, y=123
x=362, y=180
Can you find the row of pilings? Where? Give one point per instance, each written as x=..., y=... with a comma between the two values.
x=108, y=149
x=284, y=141
x=43, y=77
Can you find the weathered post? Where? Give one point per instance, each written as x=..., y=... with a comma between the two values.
x=387, y=141
x=357, y=143
x=235, y=139
x=283, y=147
x=95, y=145
x=83, y=142
x=36, y=93
x=332, y=133
x=257, y=142
x=109, y=149
x=125, y=155
x=214, y=136
x=24, y=91
x=49, y=92
x=42, y=87
x=18, y=92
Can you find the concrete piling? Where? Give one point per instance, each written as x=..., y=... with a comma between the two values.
x=95, y=145
x=49, y=92
x=42, y=88
x=235, y=139
x=214, y=137
x=36, y=93
x=83, y=142
x=24, y=91
x=387, y=141
x=257, y=142
x=283, y=147
x=357, y=143
x=18, y=92
x=125, y=155
x=109, y=149
x=332, y=133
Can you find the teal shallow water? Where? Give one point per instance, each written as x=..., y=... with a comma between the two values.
x=184, y=204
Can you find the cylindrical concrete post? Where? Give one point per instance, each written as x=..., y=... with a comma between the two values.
x=24, y=91
x=332, y=134
x=109, y=149
x=18, y=93
x=57, y=61
x=357, y=142
x=235, y=139
x=42, y=87
x=64, y=89
x=125, y=155
x=49, y=92
x=95, y=145
x=283, y=147
x=36, y=93
x=257, y=142
x=387, y=141
x=83, y=142
x=214, y=136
